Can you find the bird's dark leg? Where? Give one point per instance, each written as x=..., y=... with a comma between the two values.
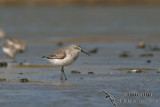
x=62, y=70
x=61, y=77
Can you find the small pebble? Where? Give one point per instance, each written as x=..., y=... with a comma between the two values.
x=24, y=62
x=21, y=63
x=90, y=72
x=141, y=44
x=155, y=48
x=20, y=51
x=59, y=43
x=148, y=61
x=95, y=50
x=146, y=55
x=158, y=72
x=21, y=73
x=2, y=79
x=3, y=64
x=124, y=54
x=75, y=72
x=24, y=80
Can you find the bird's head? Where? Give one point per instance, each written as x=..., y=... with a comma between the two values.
x=77, y=48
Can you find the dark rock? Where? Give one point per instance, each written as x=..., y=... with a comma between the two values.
x=75, y=72
x=3, y=64
x=90, y=72
x=59, y=43
x=21, y=63
x=154, y=48
x=2, y=79
x=95, y=50
x=21, y=73
x=148, y=61
x=124, y=54
x=24, y=80
x=146, y=55
x=20, y=51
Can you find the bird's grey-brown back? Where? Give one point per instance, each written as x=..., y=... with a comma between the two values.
x=71, y=50
x=58, y=54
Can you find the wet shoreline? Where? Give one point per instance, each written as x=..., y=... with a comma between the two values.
x=124, y=47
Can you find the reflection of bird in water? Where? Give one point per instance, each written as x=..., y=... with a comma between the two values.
x=19, y=45
x=9, y=50
x=2, y=33
x=64, y=57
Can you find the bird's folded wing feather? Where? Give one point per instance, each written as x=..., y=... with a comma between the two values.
x=59, y=54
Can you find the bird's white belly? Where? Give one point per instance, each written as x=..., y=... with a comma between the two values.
x=8, y=51
x=68, y=60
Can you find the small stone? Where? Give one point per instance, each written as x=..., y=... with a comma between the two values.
x=59, y=43
x=124, y=54
x=3, y=64
x=158, y=72
x=90, y=72
x=24, y=80
x=148, y=61
x=95, y=50
x=146, y=55
x=75, y=72
x=2, y=79
x=21, y=73
x=21, y=63
x=141, y=44
x=156, y=49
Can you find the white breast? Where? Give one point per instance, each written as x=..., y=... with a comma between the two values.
x=68, y=60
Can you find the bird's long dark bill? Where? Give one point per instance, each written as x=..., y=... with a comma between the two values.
x=85, y=52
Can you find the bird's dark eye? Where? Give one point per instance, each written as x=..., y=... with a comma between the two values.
x=77, y=48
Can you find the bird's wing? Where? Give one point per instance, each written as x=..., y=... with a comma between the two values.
x=59, y=54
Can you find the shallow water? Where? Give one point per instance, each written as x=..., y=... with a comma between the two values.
x=111, y=29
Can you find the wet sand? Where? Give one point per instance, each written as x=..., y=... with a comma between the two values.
x=105, y=70
x=110, y=74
